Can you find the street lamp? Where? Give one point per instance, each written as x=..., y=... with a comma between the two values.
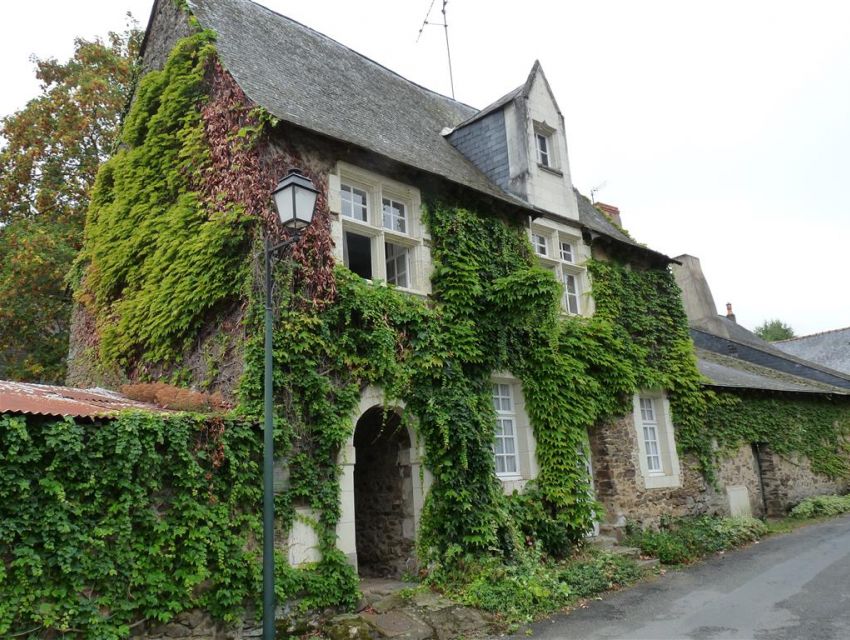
x=295, y=201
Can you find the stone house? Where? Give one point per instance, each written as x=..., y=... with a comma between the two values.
x=379, y=146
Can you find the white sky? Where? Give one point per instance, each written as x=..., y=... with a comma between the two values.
x=721, y=128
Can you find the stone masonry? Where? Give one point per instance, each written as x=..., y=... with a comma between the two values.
x=771, y=483
x=383, y=497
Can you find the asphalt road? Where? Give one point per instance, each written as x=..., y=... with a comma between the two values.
x=792, y=586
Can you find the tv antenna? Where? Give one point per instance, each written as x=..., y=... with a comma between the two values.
x=596, y=190
x=445, y=25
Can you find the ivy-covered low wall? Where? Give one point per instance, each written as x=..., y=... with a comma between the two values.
x=104, y=523
x=816, y=426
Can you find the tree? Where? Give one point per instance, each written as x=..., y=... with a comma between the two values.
x=773, y=330
x=48, y=162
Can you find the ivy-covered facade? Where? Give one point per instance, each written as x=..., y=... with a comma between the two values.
x=457, y=335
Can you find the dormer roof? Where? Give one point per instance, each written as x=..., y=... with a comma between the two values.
x=305, y=78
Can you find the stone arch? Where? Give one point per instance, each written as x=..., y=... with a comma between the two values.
x=382, y=457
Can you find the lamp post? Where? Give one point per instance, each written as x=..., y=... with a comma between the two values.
x=295, y=200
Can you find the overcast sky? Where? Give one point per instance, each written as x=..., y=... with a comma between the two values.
x=720, y=129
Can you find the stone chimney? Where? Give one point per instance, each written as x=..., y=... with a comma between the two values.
x=729, y=313
x=610, y=211
x=696, y=294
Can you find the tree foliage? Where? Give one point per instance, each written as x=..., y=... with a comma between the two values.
x=51, y=152
x=773, y=330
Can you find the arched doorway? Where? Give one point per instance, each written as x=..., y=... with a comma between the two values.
x=385, y=526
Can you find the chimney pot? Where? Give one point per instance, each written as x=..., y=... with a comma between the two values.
x=610, y=211
x=729, y=313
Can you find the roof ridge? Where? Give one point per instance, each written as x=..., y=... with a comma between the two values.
x=780, y=354
x=812, y=335
x=754, y=368
x=365, y=57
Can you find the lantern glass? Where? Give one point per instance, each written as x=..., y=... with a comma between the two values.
x=295, y=200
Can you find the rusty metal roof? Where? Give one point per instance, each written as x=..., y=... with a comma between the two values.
x=49, y=400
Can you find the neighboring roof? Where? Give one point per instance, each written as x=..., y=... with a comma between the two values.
x=731, y=330
x=49, y=400
x=310, y=80
x=828, y=348
x=729, y=372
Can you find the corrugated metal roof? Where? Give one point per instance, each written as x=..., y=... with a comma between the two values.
x=49, y=400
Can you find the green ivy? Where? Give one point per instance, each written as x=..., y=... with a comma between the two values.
x=815, y=427
x=104, y=523
x=158, y=259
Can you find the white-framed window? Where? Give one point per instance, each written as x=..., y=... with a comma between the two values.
x=379, y=233
x=505, y=444
x=540, y=244
x=355, y=202
x=659, y=461
x=571, y=293
x=543, y=149
x=650, y=435
x=564, y=260
x=545, y=145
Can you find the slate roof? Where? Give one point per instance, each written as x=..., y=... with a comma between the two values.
x=50, y=400
x=723, y=327
x=829, y=348
x=490, y=108
x=726, y=371
x=310, y=80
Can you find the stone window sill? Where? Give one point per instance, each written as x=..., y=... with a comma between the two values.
x=551, y=170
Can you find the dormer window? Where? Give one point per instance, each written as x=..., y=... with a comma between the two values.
x=544, y=140
x=543, y=150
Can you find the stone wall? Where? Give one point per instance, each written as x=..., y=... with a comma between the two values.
x=198, y=625
x=621, y=489
x=789, y=480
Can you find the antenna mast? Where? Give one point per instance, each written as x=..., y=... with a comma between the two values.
x=445, y=25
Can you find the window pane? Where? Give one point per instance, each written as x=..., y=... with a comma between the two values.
x=542, y=150
x=397, y=264
x=566, y=252
x=354, y=203
x=540, y=244
x=500, y=464
x=357, y=254
x=510, y=464
x=395, y=216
